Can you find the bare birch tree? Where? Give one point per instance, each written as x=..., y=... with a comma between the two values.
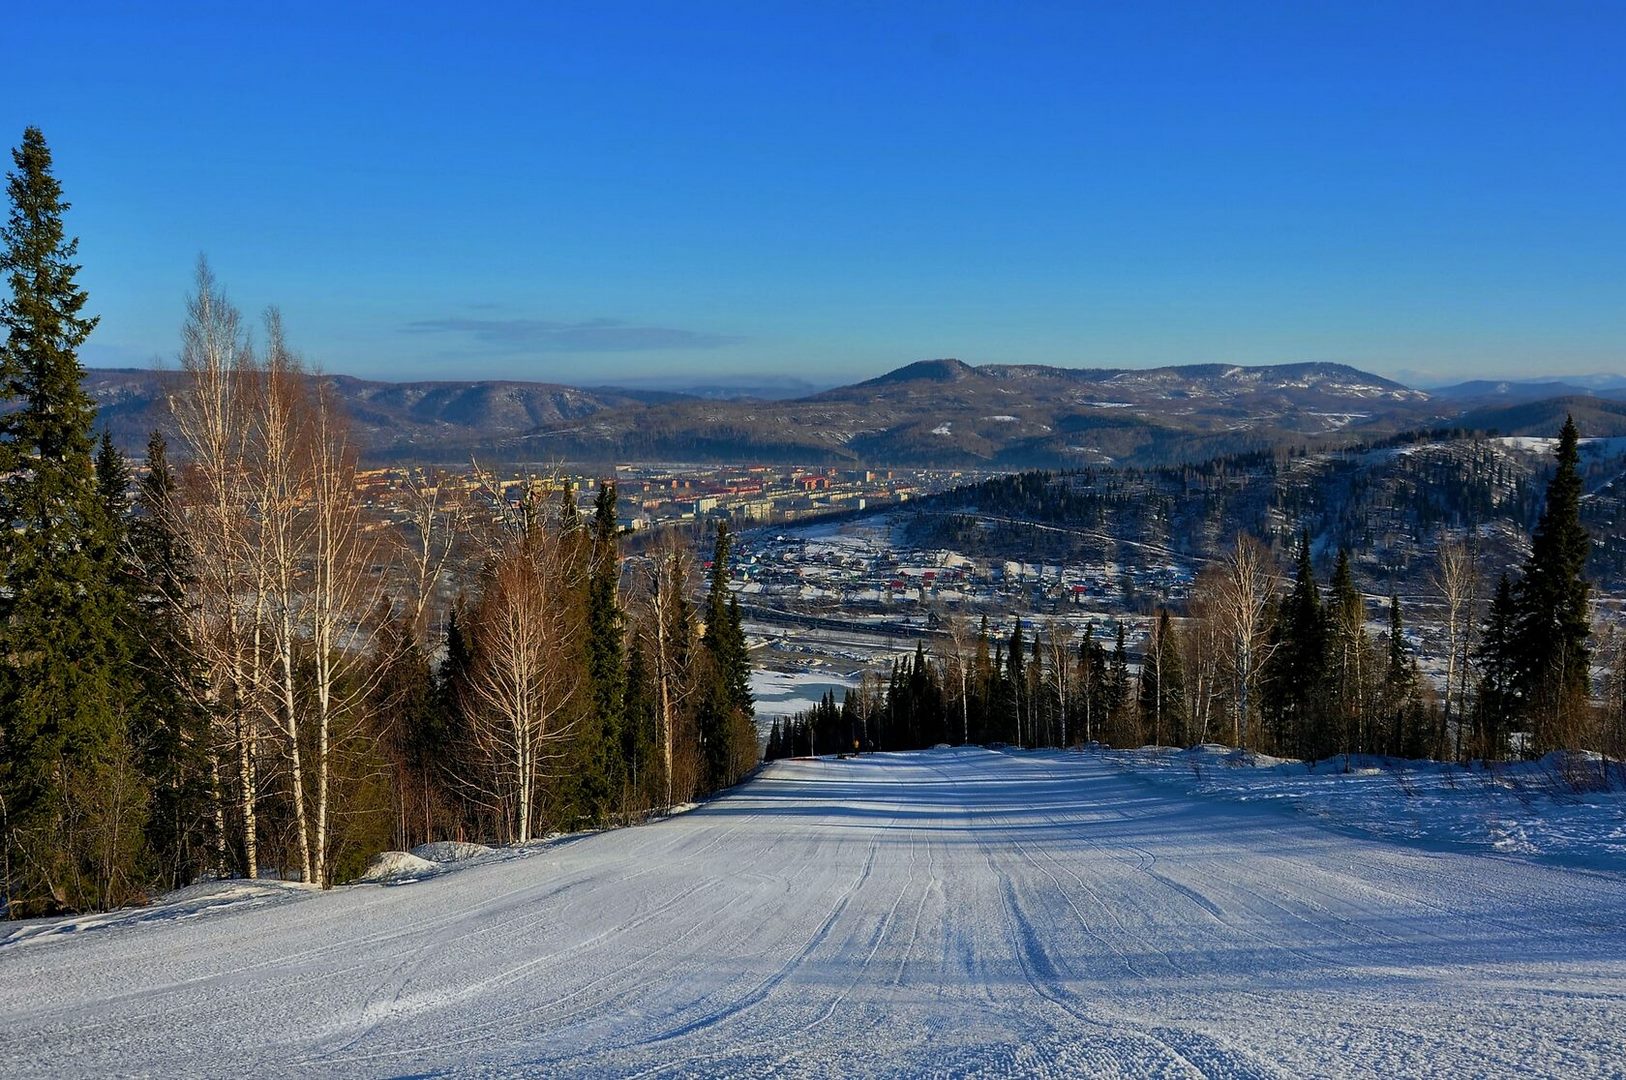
x=526, y=673
x=1242, y=595
x=345, y=598
x=1060, y=673
x=210, y=411
x=1456, y=578
x=960, y=636
x=279, y=469
x=670, y=632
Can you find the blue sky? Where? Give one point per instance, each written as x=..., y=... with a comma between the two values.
x=585, y=191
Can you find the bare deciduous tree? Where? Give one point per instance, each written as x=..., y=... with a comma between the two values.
x=670, y=629
x=1241, y=593
x=525, y=677
x=1456, y=578
x=1060, y=672
x=960, y=637
x=210, y=411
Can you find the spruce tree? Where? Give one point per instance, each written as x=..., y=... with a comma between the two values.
x=599, y=772
x=1015, y=664
x=727, y=736
x=1162, y=696
x=1553, y=654
x=1348, y=662
x=73, y=806
x=1117, y=683
x=1295, y=686
x=1497, y=704
x=640, y=731
x=1400, y=688
x=173, y=734
x=411, y=726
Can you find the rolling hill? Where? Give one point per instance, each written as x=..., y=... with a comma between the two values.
x=933, y=413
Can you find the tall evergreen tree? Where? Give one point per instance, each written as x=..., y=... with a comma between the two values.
x=172, y=737
x=1553, y=654
x=411, y=725
x=1402, y=690
x=73, y=807
x=727, y=736
x=1497, y=702
x=1162, y=697
x=1348, y=661
x=640, y=731
x=1295, y=679
x=1015, y=668
x=599, y=772
x=1116, y=696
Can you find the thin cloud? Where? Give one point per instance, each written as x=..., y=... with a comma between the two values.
x=593, y=335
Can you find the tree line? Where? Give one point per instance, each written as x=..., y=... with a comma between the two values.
x=234, y=666
x=1283, y=663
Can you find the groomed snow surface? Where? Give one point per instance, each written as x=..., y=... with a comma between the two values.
x=958, y=913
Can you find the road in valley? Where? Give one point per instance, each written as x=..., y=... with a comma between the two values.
x=959, y=913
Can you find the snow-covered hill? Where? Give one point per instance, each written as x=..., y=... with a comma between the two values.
x=952, y=913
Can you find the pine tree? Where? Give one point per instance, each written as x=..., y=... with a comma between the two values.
x=1295, y=678
x=1401, y=689
x=185, y=829
x=1348, y=662
x=1162, y=697
x=1497, y=703
x=73, y=805
x=411, y=724
x=1117, y=684
x=453, y=700
x=599, y=772
x=727, y=737
x=1015, y=661
x=1553, y=655
x=1092, y=667
x=641, y=732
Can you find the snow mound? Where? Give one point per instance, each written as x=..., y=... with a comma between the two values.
x=190, y=902
x=450, y=851
x=395, y=867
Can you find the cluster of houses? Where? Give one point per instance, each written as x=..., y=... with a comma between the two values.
x=861, y=566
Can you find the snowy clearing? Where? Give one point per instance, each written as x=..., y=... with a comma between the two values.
x=785, y=693
x=959, y=912
x=1554, y=809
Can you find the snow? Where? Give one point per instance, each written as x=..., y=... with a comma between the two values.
x=1555, y=809
x=451, y=851
x=785, y=693
x=957, y=912
x=398, y=867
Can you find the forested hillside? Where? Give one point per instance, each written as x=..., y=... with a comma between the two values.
x=225, y=668
x=1386, y=505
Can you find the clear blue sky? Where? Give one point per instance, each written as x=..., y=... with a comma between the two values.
x=581, y=191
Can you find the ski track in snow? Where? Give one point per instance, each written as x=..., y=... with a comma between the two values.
x=952, y=913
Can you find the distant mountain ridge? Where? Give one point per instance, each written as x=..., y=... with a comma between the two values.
x=941, y=412
x=389, y=418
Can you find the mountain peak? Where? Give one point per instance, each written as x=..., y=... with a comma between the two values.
x=941, y=371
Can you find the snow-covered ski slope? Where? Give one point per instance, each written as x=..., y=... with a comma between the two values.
x=949, y=913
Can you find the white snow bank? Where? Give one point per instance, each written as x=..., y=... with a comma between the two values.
x=204, y=898
x=451, y=851
x=1558, y=809
x=398, y=867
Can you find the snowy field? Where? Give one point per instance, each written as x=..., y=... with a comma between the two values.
x=785, y=693
x=957, y=913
